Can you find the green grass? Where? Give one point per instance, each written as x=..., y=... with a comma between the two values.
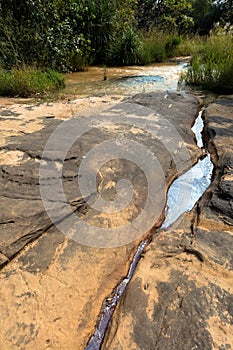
x=190, y=45
x=29, y=81
x=130, y=47
x=212, y=67
x=154, y=47
x=158, y=46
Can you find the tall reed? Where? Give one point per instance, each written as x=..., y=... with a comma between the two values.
x=212, y=66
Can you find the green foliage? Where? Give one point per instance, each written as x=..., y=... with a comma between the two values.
x=192, y=16
x=205, y=13
x=212, y=67
x=177, y=16
x=189, y=45
x=126, y=49
x=101, y=28
x=154, y=47
x=148, y=13
x=159, y=46
x=172, y=43
x=48, y=33
x=125, y=13
x=63, y=35
x=29, y=81
x=172, y=15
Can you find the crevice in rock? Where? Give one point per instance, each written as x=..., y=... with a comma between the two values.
x=29, y=238
x=30, y=155
x=95, y=342
x=7, y=222
x=194, y=252
x=110, y=303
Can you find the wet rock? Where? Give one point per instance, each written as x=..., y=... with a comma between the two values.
x=54, y=284
x=181, y=296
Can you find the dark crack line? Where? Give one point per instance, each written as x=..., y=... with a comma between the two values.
x=7, y=222
x=20, y=197
x=194, y=252
x=96, y=341
x=34, y=236
x=22, y=182
x=30, y=155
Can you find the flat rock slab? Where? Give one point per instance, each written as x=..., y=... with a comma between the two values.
x=52, y=287
x=181, y=296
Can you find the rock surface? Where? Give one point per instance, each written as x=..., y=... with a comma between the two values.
x=181, y=296
x=52, y=287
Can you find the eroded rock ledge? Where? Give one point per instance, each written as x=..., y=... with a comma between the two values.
x=181, y=296
x=52, y=288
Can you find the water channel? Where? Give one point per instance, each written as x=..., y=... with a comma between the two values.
x=183, y=193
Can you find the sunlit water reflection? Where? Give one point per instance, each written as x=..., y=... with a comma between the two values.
x=189, y=187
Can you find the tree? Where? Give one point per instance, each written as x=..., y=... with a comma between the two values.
x=61, y=34
x=48, y=33
x=227, y=11
x=100, y=26
x=169, y=15
x=177, y=16
x=148, y=13
x=205, y=13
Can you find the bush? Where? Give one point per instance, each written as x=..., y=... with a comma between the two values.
x=61, y=35
x=212, y=66
x=126, y=49
x=29, y=81
x=172, y=43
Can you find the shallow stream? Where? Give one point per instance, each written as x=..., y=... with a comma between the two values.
x=125, y=80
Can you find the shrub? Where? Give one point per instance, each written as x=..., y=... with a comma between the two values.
x=172, y=43
x=159, y=46
x=29, y=81
x=126, y=49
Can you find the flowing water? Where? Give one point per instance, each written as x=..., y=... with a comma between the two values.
x=189, y=187
x=125, y=80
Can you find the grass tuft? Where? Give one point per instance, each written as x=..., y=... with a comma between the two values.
x=29, y=81
x=212, y=67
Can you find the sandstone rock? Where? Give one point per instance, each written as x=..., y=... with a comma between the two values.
x=52, y=287
x=181, y=296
